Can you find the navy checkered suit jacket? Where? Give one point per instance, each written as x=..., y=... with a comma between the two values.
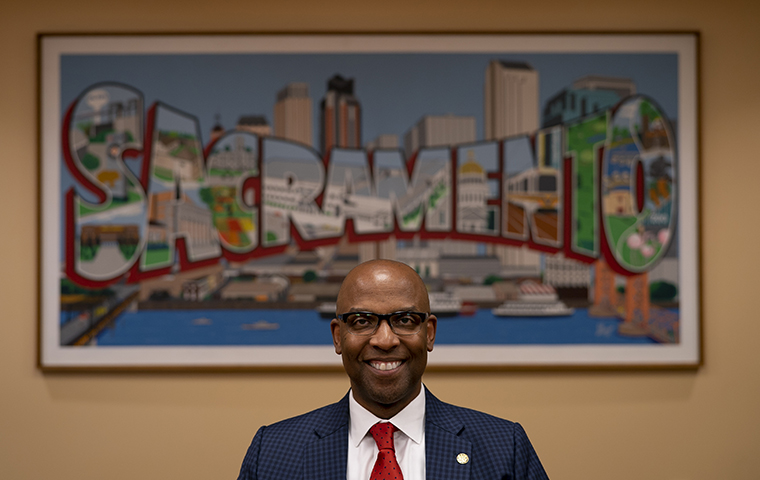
x=315, y=446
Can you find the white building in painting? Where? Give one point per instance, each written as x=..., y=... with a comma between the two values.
x=196, y=224
x=439, y=131
x=238, y=157
x=472, y=195
x=292, y=113
x=387, y=140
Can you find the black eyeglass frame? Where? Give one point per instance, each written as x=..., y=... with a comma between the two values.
x=387, y=317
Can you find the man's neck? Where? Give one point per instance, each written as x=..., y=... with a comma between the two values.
x=386, y=411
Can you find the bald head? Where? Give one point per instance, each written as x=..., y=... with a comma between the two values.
x=385, y=277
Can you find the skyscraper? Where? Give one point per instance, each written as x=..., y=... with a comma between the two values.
x=292, y=113
x=511, y=99
x=340, y=121
x=588, y=95
x=511, y=108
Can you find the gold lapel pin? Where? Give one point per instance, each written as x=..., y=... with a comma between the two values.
x=462, y=458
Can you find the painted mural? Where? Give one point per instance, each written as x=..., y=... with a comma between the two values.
x=219, y=199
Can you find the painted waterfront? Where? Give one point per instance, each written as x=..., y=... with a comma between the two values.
x=305, y=327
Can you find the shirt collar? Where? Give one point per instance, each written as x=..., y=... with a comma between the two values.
x=410, y=420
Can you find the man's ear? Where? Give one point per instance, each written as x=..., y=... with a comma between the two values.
x=335, y=329
x=432, y=325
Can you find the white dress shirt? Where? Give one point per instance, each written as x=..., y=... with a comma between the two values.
x=408, y=440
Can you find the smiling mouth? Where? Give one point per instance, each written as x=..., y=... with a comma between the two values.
x=384, y=366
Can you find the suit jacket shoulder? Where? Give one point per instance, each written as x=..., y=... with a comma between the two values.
x=311, y=425
x=494, y=447
x=317, y=439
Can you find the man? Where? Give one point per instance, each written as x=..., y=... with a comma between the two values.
x=389, y=426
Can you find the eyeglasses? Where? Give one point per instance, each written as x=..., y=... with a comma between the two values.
x=367, y=323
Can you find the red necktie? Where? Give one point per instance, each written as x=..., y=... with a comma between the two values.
x=386, y=466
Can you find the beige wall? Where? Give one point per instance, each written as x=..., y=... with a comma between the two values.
x=585, y=425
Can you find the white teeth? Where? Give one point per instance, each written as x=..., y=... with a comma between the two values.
x=385, y=365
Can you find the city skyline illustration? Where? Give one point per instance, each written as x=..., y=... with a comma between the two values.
x=463, y=104
x=394, y=91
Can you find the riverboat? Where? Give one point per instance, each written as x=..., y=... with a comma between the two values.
x=444, y=304
x=535, y=300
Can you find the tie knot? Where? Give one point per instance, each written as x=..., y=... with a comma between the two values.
x=382, y=432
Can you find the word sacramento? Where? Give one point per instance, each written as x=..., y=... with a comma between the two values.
x=144, y=189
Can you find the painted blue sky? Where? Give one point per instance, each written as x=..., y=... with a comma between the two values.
x=395, y=90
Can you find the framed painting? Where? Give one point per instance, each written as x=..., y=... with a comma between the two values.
x=202, y=196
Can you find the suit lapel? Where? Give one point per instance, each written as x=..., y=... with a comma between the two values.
x=443, y=445
x=325, y=458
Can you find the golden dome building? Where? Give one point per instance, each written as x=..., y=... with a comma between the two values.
x=472, y=195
